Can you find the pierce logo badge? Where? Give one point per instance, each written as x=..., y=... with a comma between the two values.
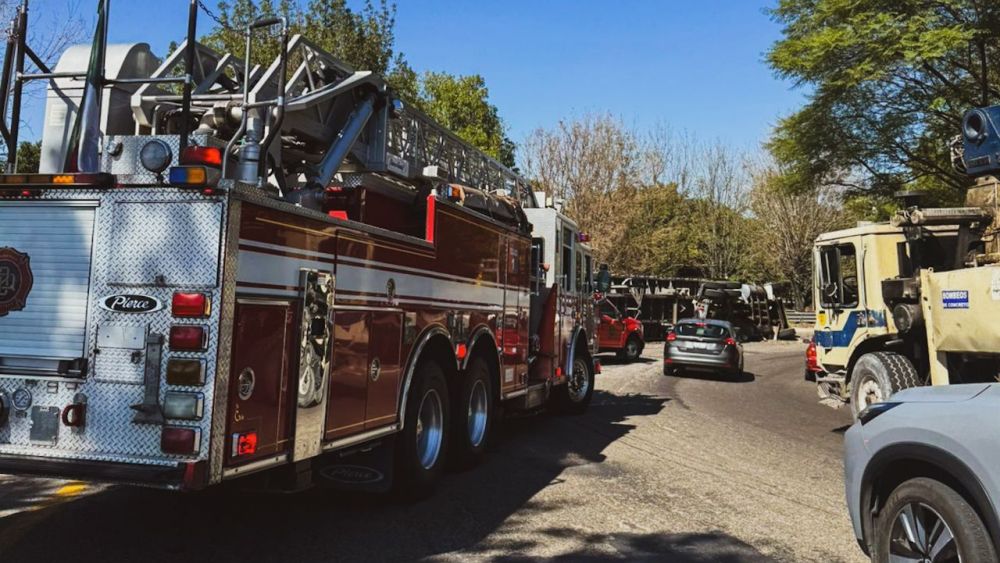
x=15, y=280
x=131, y=303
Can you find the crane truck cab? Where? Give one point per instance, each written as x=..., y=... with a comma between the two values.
x=913, y=301
x=852, y=319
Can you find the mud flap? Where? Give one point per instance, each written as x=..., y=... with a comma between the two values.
x=367, y=469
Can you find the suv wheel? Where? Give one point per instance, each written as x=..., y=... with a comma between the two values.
x=925, y=520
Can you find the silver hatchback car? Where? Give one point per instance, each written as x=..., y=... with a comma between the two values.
x=708, y=344
x=922, y=473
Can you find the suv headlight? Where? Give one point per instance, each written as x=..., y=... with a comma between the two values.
x=874, y=410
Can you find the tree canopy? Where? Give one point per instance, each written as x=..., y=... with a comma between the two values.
x=889, y=81
x=366, y=39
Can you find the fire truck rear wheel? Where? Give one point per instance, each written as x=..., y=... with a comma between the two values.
x=573, y=397
x=876, y=376
x=473, y=410
x=423, y=443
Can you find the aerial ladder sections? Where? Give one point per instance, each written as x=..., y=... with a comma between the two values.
x=281, y=270
x=914, y=301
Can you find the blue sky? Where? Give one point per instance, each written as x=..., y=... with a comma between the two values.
x=695, y=66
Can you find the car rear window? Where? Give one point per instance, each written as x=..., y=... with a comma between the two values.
x=701, y=329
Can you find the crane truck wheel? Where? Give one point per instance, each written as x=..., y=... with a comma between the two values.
x=632, y=349
x=474, y=410
x=877, y=376
x=423, y=443
x=573, y=397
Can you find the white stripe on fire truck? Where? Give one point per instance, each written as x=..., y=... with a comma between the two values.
x=283, y=271
x=359, y=261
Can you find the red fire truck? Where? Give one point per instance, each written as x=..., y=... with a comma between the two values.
x=223, y=269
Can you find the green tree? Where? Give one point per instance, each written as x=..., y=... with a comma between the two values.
x=365, y=39
x=461, y=103
x=29, y=156
x=658, y=238
x=888, y=81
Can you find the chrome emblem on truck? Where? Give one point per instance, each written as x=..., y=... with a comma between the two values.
x=15, y=280
x=130, y=303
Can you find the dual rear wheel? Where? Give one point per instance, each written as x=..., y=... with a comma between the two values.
x=438, y=426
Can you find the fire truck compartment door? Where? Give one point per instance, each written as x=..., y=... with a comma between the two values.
x=383, y=368
x=45, y=265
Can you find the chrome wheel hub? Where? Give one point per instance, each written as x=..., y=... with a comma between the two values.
x=430, y=429
x=920, y=535
x=478, y=413
x=870, y=393
x=579, y=382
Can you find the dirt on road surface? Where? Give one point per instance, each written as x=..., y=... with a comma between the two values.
x=690, y=468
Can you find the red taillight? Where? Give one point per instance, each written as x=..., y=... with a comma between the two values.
x=812, y=362
x=210, y=156
x=179, y=440
x=188, y=337
x=244, y=444
x=671, y=336
x=730, y=341
x=461, y=350
x=191, y=305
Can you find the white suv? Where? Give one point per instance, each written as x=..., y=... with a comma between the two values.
x=922, y=473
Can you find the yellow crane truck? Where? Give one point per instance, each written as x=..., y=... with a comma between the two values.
x=914, y=301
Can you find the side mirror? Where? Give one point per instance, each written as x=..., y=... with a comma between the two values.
x=604, y=279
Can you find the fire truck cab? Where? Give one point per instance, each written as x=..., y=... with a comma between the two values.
x=562, y=290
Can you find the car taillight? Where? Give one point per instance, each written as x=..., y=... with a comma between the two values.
x=191, y=305
x=244, y=443
x=180, y=440
x=210, y=156
x=730, y=341
x=189, y=338
x=812, y=362
x=671, y=336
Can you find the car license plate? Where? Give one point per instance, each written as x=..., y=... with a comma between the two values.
x=698, y=346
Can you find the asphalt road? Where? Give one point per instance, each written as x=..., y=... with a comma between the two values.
x=687, y=469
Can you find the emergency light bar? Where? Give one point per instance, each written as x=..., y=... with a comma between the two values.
x=20, y=181
x=193, y=176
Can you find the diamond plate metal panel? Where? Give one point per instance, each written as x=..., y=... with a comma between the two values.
x=231, y=254
x=164, y=243
x=113, y=382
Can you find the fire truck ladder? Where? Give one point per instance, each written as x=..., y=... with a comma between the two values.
x=327, y=118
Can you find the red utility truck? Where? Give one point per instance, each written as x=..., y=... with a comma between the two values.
x=619, y=333
x=223, y=269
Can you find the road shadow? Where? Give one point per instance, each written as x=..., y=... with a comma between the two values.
x=132, y=524
x=613, y=360
x=707, y=375
x=715, y=546
x=841, y=429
